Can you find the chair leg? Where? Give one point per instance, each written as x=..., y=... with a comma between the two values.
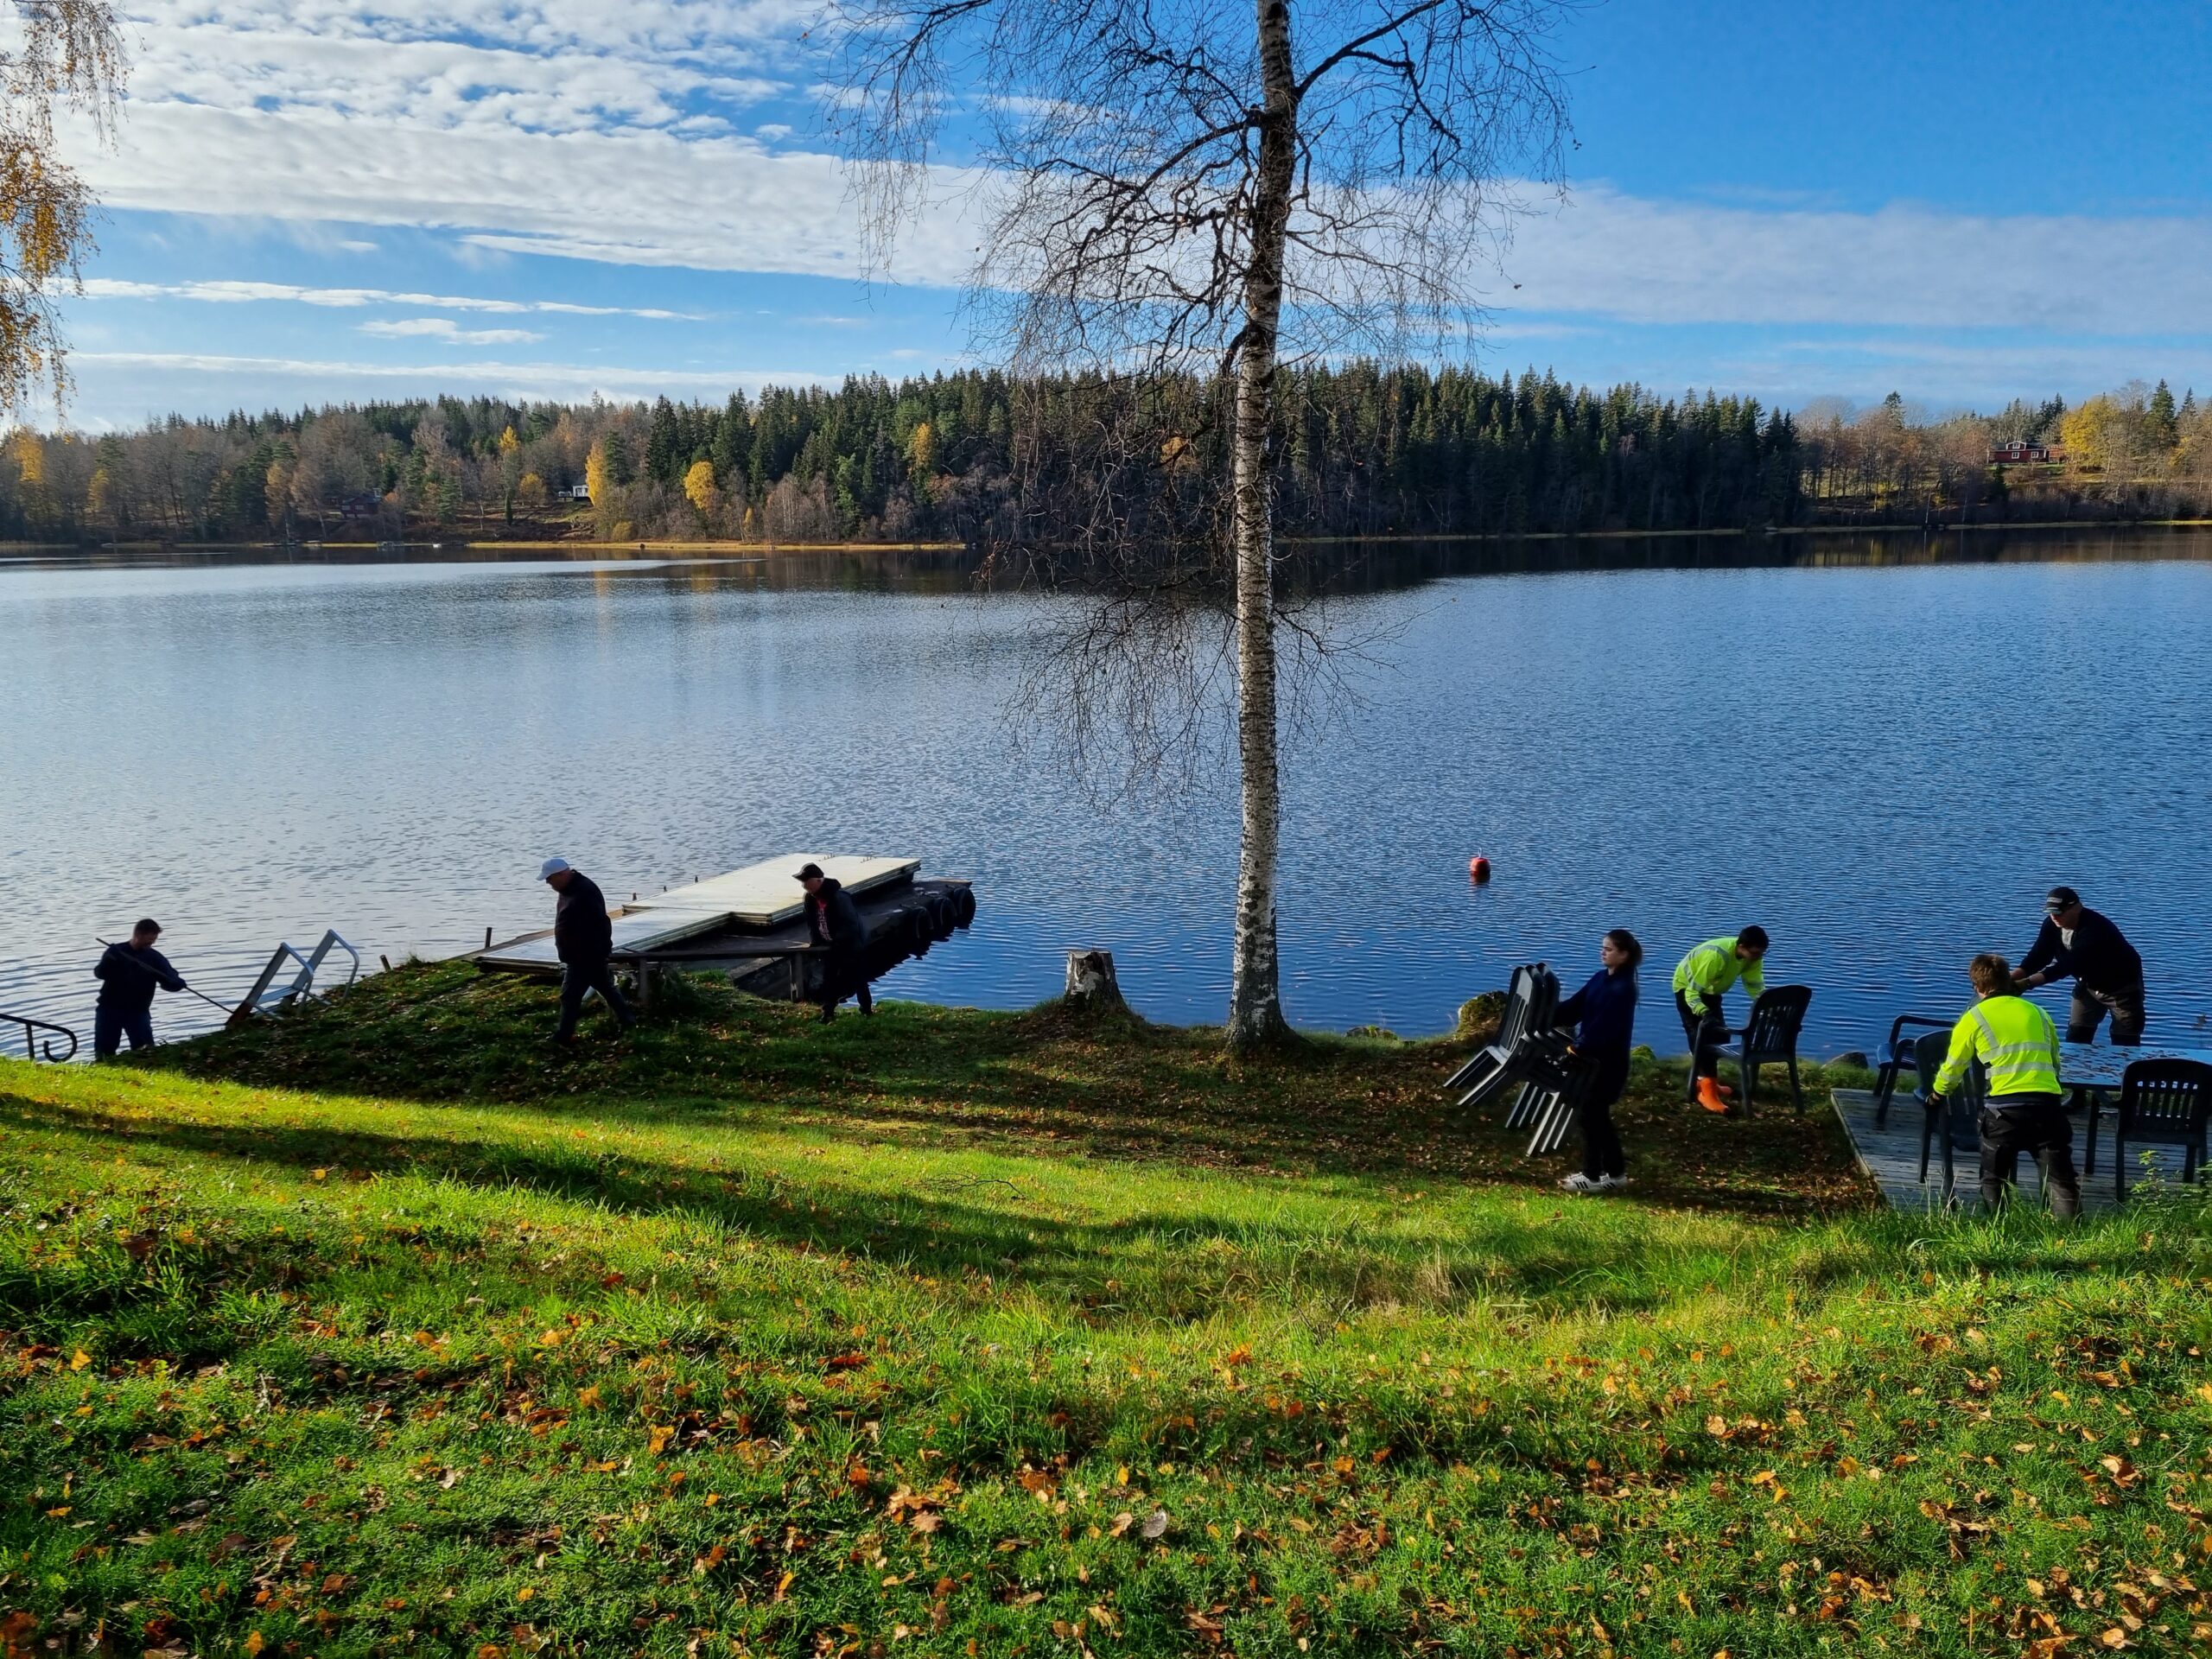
x=1927, y=1138
x=2119, y=1165
x=1796, y=1090
x=1885, y=1076
x=1950, y=1171
x=1748, y=1075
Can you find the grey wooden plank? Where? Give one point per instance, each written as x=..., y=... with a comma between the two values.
x=634, y=929
x=1890, y=1156
x=763, y=894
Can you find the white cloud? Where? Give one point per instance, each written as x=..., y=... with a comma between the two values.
x=332, y=377
x=447, y=331
x=579, y=129
x=242, y=293
x=1642, y=260
x=724, y=203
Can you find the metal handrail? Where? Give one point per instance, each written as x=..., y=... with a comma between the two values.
x=33, y=1045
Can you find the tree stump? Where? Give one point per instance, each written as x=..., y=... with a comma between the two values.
x=1091, y=983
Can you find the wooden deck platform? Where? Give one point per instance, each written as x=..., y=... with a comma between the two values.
x=767, y=894
x=747, y=923
x=1891, y=1157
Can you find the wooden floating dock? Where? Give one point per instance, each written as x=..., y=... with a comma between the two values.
x=1890, y=1156
x=750, y=923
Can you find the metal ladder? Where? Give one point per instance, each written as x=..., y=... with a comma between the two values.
x=268, y=994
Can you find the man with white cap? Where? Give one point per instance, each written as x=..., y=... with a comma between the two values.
x=583, y=939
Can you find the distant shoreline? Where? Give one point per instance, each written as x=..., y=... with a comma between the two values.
x=761, y=549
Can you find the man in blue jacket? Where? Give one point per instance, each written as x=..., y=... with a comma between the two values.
x=129, y=974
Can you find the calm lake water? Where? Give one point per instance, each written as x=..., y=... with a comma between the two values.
x=1886, y=759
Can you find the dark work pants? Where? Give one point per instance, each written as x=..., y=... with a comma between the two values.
x=1706, y=1033
x=845, y=973
x=2037, y=1125
x=2090, y=1007
x=579, y=977
x=112, y=1026
x=1601, y=1141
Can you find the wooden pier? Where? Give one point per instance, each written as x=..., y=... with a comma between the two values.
x=750, y=923
x=1890, y=1154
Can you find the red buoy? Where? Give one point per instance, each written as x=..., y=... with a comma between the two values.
x=1478, y=867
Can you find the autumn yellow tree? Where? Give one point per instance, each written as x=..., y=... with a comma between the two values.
x=597, y=480
x=699, y=489
x=2095, y=433
x=66, y=54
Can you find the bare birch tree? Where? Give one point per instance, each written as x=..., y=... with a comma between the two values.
x=1171, y=199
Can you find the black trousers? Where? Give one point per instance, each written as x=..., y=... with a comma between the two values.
x=843, y=975
x=1601, y=1141
x=112, y=1026
x=2090, y=1007
x=580, y=978
x=1706, y=1033
x=2037, y=1125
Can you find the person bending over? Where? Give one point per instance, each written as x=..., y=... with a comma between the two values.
x=1603, y=1013
x=129, y=974
x=1700, y=980
x=2107, y=970
x=2022, y=1111
x=833, y=920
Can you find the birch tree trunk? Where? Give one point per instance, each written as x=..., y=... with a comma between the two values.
x=1254, y=1005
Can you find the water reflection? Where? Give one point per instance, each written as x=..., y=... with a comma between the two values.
x=1885, y=747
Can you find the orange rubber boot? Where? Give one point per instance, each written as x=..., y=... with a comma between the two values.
x=1708, y=1095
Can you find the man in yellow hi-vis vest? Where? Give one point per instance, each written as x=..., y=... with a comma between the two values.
x=2023, y=1110
x=1701, y=979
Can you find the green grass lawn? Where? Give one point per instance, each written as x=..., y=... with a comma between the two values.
x=385, y=1328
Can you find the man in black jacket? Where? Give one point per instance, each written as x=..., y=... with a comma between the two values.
x=2107, y=971
x=129, y=974
x=583, y=939
x=832, y=918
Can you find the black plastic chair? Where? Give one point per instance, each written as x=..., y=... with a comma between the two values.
x=1928, y=1055
x=2162, y=1103
x=1559, y=1079
x=1770, y=1038
x=1531, y=1002
x=1898, y=1059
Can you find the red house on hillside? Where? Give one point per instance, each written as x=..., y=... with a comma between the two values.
x=2017, y=452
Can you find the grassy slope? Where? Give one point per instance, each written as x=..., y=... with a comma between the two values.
x=905, y=1335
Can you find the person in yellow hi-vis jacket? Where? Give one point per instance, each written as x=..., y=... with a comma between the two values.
x=1700, y=978
x=2023, y=1110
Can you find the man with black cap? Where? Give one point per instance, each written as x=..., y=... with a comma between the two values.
x=583, y=939
x=833, y=920
x=129, y=974
x=2107, y=971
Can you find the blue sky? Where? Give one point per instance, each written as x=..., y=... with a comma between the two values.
x=313, y=201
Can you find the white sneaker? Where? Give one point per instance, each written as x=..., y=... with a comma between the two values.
x=1579, y=1182
x=1612, y=1183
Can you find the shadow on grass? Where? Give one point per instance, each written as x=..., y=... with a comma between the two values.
x=1049, y=1079
x=1494, y=1256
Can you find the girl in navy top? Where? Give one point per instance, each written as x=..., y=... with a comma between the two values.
x=1604, y=1011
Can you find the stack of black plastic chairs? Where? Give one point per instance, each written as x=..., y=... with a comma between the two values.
x=1531, y=1062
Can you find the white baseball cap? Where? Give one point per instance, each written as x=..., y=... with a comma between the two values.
x=552, y=867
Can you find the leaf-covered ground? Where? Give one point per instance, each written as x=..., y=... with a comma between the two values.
x=384, y=1329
